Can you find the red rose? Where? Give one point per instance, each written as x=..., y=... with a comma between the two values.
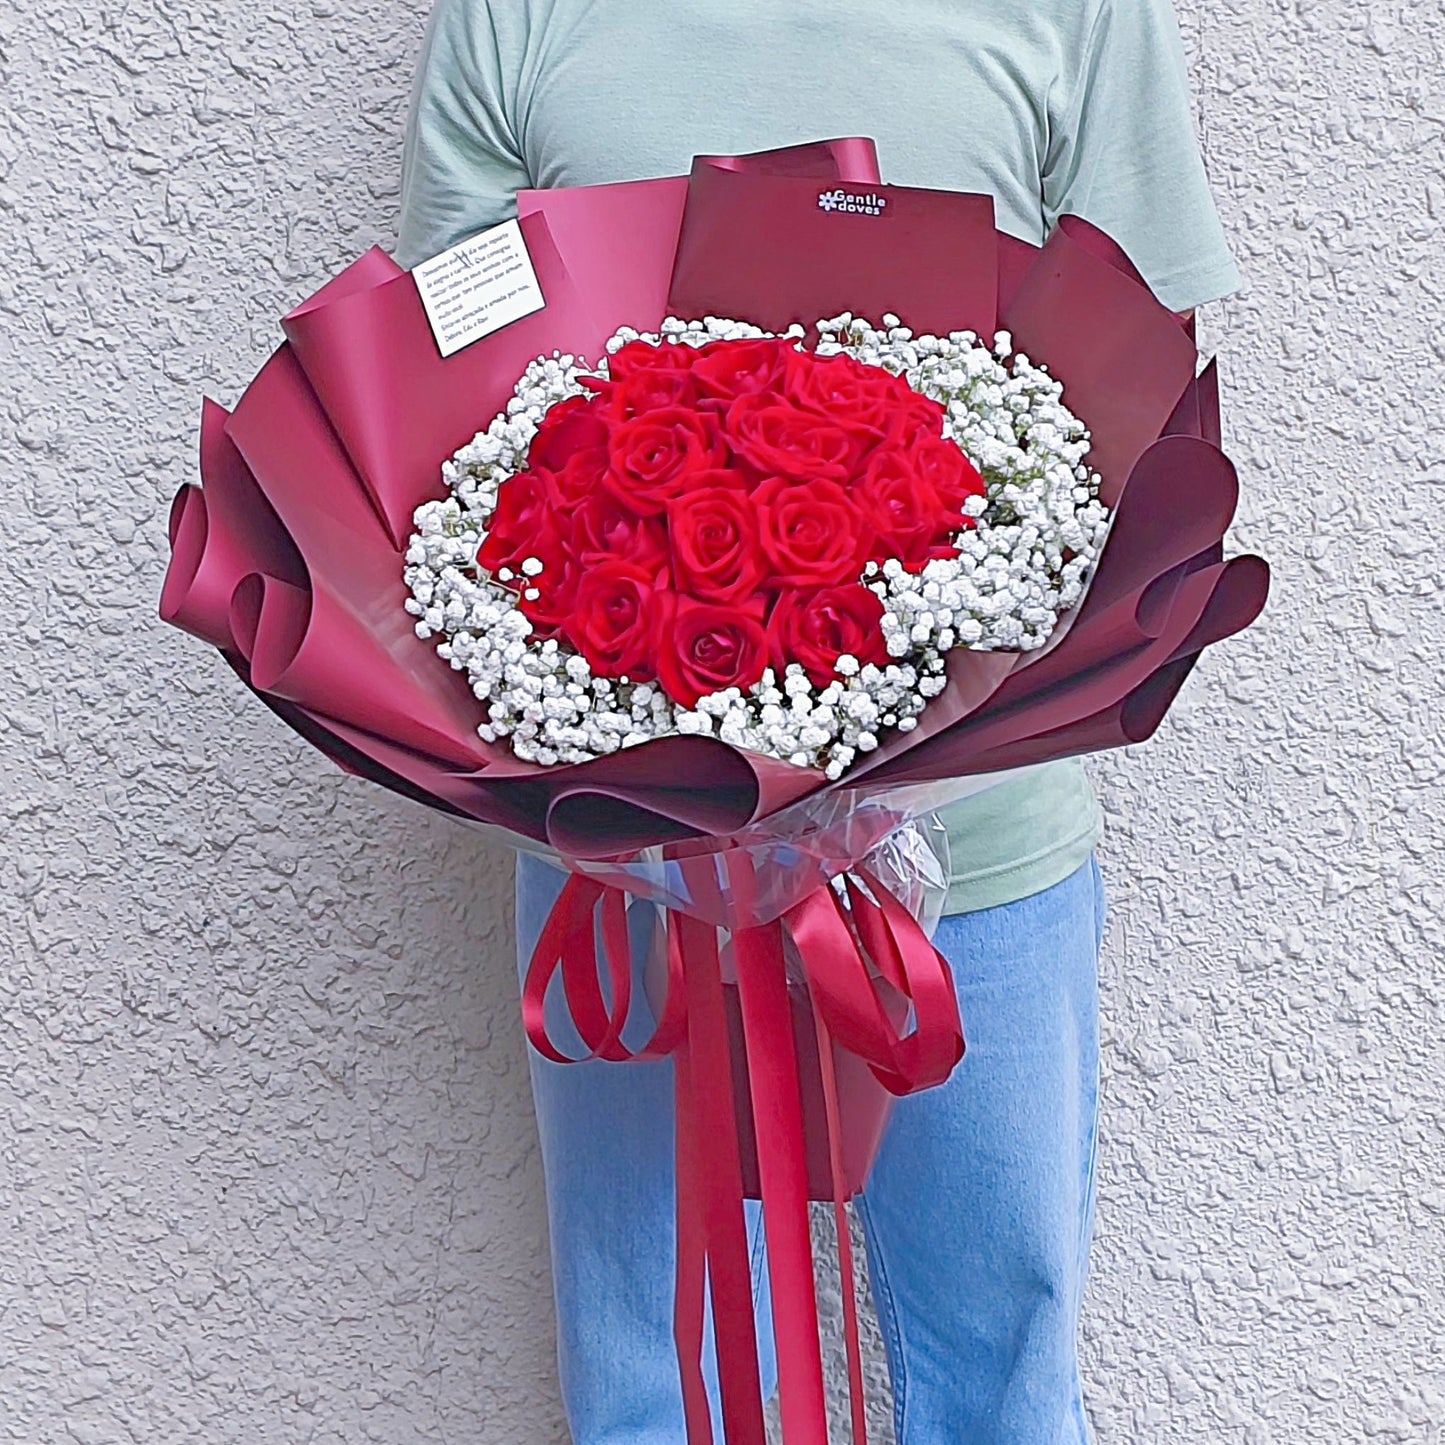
x=709, y=647
x=951, y=475
x=647, y=389
x=726, y=370
x=645, y=356
x=570, y=426
x=656, y=457
x=603, y=527
x=907, y=517
x=616, y=620
x=556, y=586
x=527, y=520
x=816, y=628
x=730, y=476
x=715, y=553
x=812, y=535
x=581, y=475
x=846, y=390
x=780, y=440
x=916, y=420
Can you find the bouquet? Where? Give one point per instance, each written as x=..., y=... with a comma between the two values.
x=707, y=534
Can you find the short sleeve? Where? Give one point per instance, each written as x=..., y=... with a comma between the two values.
x=1122, y=154
x=461, y=164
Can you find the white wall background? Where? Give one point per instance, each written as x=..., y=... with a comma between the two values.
x=267, y=1167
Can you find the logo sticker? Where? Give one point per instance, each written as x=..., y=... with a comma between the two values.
x=869, y=204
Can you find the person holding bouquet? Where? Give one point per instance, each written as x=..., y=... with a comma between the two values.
x=979, y=1210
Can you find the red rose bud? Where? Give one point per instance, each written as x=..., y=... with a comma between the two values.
x=710, y=647
x=952, y=476
x=813, y=536
x=556, y=588
x=616, y=619
x=582, y=474
x=917, y=419
x=815, y=628
x=714, y=545
x=907, y=518
x=648, y=389
x=780, y=440
x=657, y=456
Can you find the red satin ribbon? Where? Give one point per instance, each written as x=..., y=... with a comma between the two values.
x=846, y=1271
x=849, y=996
x=869, y=969
x=568, y=944
x=777, y=1102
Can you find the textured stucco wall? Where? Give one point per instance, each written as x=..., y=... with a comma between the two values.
x=267, y=1167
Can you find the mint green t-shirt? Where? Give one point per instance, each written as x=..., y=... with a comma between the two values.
x=1052, y=106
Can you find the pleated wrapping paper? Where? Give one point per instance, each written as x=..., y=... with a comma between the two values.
x=826, y=1000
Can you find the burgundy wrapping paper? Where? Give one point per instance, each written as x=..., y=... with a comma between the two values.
x=220, y=536
x=1125, y=359
x=620, y=240
x=673, y=789
x=345, y=340
x=759, y=245
x=289, y=560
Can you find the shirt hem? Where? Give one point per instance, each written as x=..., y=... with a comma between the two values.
x=1023, y=877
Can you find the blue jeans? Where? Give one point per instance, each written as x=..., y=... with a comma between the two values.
x=977, y=1216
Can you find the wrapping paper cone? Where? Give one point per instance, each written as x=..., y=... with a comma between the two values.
x=218, y=536
x=864, y=1104
x=345, y=338
x=1125, y=360
x=339, y=643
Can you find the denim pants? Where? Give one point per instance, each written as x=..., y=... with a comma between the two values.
x=977, y=1216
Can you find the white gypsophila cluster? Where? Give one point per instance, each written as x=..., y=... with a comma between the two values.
x=1025, y=550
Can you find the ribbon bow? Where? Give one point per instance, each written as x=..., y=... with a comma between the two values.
x=757, y=1068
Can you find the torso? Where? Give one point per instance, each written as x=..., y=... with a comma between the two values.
x=954, y=92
